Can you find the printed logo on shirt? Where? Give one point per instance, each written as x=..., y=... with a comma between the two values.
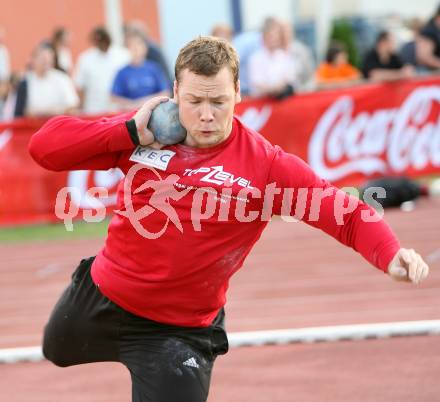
x=156, y=158
x=217, y=175
x=210, y=203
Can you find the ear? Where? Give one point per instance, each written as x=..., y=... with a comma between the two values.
x=238, y=92
x=175, y=90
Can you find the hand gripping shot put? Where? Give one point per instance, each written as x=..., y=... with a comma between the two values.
x=156, y=303
x=165, y=125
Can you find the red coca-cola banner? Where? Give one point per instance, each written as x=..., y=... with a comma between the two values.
x=345, y=135
x=349, y=135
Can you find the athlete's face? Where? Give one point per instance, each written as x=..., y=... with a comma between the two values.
x=206, y=106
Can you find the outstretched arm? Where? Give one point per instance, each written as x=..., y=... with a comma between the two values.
x=344, y=217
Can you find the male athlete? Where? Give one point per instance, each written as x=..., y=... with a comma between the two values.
x=156, y=304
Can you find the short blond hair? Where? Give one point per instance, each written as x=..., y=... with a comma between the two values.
x=207, y=55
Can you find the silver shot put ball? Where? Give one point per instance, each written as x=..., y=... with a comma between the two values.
x=165, y=124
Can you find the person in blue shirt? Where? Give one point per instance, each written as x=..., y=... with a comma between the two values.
x=154, y=51
x=139, y=80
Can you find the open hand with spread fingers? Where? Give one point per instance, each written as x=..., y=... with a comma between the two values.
x=408, y=266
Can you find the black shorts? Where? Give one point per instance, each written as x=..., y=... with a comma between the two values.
x=167, y=363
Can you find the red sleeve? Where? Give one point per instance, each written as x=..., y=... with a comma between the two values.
x=321, y=205
x=70, y=143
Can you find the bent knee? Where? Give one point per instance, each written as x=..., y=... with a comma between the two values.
x=55, y=348
x=55, y=354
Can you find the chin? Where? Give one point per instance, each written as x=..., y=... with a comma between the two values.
x=204, y=141
x=207, y=142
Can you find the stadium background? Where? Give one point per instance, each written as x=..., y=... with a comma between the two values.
x=295, y=278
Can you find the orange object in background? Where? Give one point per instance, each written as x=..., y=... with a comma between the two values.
x=329, y=73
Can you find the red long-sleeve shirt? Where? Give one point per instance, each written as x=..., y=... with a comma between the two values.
x=182, y=276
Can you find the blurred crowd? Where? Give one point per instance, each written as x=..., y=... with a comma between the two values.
x=273, y=63
x=276, y=64
x=105, y=77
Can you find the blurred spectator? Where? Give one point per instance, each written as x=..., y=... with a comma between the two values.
x=96, y=70
x=246, y=44
x=154, y=52
x=428, y=43
x=223, y=31
x=382, y=63
x=336, y=69
x=408, y=50
x=5, y=68
x=302, y=56
x=139, y=80
x=272, y=68
x=61, y=43
x=45, y=91
x=11, y=97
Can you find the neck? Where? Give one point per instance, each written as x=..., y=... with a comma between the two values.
x=383, y=54
x=137, y=62
x=40, y=73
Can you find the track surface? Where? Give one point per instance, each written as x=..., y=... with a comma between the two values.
x=295, y=277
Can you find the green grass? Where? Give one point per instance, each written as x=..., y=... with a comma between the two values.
x=53, y=232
